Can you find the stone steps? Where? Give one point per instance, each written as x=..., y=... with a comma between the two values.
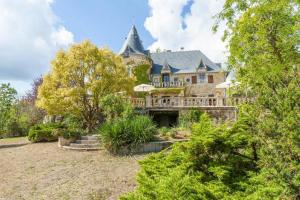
x=87, y=143
x=89, y=137
x=84, y=145
x=81, y=149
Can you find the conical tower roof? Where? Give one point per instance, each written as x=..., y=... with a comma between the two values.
x=133, y=44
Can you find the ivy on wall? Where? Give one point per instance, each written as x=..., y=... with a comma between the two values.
x=141, y=74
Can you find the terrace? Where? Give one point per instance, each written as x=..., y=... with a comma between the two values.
x=186, y=102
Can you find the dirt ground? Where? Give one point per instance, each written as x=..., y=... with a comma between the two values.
x=44, y=171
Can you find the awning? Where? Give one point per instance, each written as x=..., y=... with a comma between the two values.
x=143, y=88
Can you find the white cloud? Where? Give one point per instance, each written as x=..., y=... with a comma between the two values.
x=30, y=34
x=193, y=31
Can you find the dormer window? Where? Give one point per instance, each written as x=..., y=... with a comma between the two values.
x=201, y=66
x=166, y=69
x=202, y=77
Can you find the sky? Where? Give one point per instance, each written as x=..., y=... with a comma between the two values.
x=31, y=31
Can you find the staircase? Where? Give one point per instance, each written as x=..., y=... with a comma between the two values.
x=86, y=143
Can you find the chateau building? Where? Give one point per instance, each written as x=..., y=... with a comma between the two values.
x=175, y=73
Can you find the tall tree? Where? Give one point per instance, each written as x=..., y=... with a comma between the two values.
x=79, y=77
x=264, y=39
x=7, y=99
x=27, y=105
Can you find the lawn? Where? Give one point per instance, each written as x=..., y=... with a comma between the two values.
x=44, y=171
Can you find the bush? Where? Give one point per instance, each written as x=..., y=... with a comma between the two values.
x=44, y=132
x=66, y=133
x=187, y=119
x=127, y=132
x=114, y=106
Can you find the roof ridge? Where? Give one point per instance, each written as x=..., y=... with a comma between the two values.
x=176, y=51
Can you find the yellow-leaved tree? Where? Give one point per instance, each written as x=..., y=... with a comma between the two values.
x=79, y=77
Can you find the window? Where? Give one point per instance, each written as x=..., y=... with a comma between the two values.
x=166, y=78
x=188, y=80
x=210, y=78
x=175, y=79
x=202, y=77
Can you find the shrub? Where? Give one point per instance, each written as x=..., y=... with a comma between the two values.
x=114, y=106
x=66, y=133
x=187, y=119
x=127, y=132
x=44, y=132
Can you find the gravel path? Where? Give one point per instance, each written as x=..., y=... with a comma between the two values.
x=44, y=171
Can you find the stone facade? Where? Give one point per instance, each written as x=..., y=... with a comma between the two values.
x=190, y=70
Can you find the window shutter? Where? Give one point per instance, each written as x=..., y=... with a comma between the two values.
x=210, y=79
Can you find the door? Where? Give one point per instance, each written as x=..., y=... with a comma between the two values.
x=194, y=79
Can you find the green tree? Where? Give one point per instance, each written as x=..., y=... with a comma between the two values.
x=78, y=79
x=258, y=157
x=7, y=100
x=141, y=73
x=269, y=64
x=114, y=106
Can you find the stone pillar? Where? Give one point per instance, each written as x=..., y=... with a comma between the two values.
x=148, y=101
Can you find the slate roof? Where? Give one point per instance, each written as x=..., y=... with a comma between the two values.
x=182, y=61
x=132, y=44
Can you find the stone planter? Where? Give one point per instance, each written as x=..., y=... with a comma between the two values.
x=65, y=142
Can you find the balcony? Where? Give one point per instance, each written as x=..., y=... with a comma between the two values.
x=171, y=84
x=181, y=102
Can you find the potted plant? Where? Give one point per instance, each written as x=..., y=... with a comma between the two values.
x=66, y=136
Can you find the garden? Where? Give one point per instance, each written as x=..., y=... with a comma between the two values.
x=69, y=102
x=85, y=93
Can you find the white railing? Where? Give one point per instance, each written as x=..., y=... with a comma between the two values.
x=169, y=102
x=169, y=84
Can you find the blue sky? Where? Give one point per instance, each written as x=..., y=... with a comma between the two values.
x=31, y=31
x=105, y=23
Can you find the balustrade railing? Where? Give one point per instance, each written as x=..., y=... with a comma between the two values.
x=167, y=102
x=138, y=102
x=169, y=84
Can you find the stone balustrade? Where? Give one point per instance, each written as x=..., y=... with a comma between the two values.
x=169, y=102
x=172, y=84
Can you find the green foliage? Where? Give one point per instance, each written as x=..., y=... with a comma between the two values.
x=73, y=123
x=186, y=119
x=7, y=100
x=114, y=106
x=127, y=132
x=268, y=68
x=66, y=133
x=141, y=73
x=214, y=164
x=167, y=90
x=258, y=156
x=44, y=132
x=79, y=78
x=17, y=122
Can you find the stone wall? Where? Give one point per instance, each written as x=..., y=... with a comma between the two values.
x=199, y=89
x=218, y=114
